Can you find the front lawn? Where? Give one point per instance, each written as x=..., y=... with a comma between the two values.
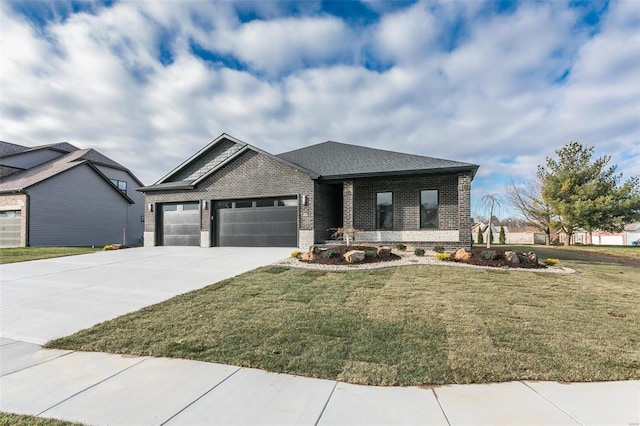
x=404, y=326
x=21, y=420
x=23, y=254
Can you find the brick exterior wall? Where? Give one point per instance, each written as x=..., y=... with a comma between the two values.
x=464, y=209
x=406, y=201
x=454, y=210
x=252, y=175
x=347, y=204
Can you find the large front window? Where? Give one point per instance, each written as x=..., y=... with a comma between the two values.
x=429, y=208
x=384, y=210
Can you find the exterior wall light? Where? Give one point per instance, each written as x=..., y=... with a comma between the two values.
x=151, y=207
x=205, y=205
x=305, y=200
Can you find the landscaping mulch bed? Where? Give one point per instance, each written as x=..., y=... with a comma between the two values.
x=477, y=259
x=338, y=259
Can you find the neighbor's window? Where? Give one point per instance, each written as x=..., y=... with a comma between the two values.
x=122, y=185
x=429, y=208
x=384, y=210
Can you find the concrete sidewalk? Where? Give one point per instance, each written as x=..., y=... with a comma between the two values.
x=105, y=389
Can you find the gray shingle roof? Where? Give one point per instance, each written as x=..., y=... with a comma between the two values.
x=7, y=148
x=334, y=160
x=97, y=158
x=60, y=146
x=21, y=180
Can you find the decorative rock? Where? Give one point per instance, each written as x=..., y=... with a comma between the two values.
x=311, y=254
x=512, y=257
x=532, y=257
x=384, y=251
x=462, y=254
x=354, y=256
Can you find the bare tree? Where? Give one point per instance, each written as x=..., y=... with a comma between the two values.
x=526, y=197
x=491, y=202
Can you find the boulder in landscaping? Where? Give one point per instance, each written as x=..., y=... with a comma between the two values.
x=311, y=254
x=384, y=251
x=462, y=254
x=354, y=256
x=532, y=257
x=512, y=257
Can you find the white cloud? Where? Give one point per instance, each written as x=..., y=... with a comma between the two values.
x=407, y=35
x=96, y=80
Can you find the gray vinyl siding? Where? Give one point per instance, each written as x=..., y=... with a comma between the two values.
x=28, y=160
x=76, y=208
x=135, y=226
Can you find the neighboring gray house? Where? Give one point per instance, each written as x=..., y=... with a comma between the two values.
x=233, y=194
x=59, y=195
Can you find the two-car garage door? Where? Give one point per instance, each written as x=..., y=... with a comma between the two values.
x=262, y=222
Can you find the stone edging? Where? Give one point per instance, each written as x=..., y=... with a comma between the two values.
x=407, y=259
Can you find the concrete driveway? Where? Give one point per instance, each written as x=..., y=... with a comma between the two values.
x=45, y=299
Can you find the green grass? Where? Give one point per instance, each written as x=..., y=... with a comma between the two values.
x=20, y=420
x=404, y=326
x=625, y=251
x=23, y=254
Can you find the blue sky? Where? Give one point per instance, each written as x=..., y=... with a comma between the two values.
x=500, y=84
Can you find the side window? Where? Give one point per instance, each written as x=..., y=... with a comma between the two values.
x=384, y=210
x=429, y=209
x=122, y=185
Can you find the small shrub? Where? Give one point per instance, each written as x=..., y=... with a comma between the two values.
x=401, y=247
x=419, y=252
x=438, y=249
x=551, y=262
x=502, y=237
x=524, y=259
x=490, y=255
x=328, y=254
x=296, y=254
x=109, y=247
x=443, y=256
x=370, y=254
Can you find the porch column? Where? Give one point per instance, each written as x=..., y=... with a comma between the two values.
x=347, y=204
x=464, y=210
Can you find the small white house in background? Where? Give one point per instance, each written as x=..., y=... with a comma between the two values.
x=597, y=238
x=632, y=234
x=513, y=234
x=60, y=195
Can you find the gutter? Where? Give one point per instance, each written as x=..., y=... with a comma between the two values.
x=443, y=171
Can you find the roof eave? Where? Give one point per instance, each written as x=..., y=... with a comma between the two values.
x=156, y=188
x=439, y=171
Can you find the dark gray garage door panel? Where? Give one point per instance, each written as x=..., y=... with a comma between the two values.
x=257, y=227
x=180, y=224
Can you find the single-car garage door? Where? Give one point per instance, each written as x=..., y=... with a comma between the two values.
x=180, y=224
x=10, y=227
x=264, y=222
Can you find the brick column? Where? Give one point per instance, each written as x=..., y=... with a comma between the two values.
x=347, y=204
x=464, y=209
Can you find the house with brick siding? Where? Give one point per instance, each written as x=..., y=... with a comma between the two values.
x=231, y=193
